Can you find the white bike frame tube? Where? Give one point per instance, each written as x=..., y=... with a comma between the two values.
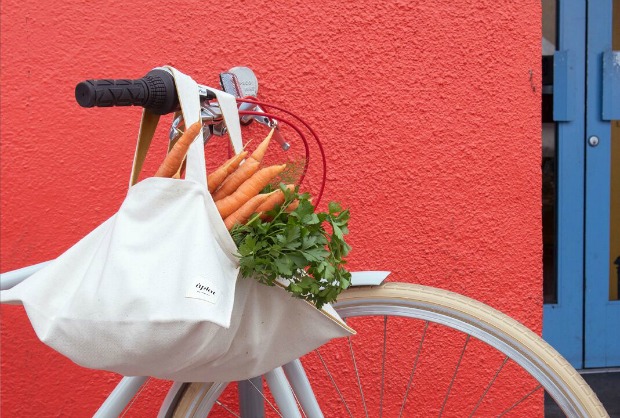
x=301, y=386
x=251, y=398
x=12, y=278
x=368, y=278
x=120, y=397
x=282, y=393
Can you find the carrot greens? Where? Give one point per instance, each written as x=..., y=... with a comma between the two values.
x=303, y=247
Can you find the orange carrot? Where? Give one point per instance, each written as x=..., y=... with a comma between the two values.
x=277, y=198
x=219, y=175
x=250, y=188
x=241, y=215
x=174, y=159
x=261, y=149
x=236, y=179
x=244, y=172
x=179, y=173
x=291, y=207
x=294, y=204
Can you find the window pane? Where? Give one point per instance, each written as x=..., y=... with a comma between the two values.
x=550, y=291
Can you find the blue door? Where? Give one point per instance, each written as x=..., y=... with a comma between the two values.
x=581, y=213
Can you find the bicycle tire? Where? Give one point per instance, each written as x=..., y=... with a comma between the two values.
x=560, y=380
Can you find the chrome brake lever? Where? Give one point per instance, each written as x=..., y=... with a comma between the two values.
x=240, y=82
x=211, y=115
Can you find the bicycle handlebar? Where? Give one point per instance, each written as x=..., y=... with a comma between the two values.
x=155, y=91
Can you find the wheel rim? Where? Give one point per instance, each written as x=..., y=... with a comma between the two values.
x=388, y=302
x=528, y=363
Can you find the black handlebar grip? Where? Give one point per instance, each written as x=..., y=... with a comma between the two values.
x=155, y=91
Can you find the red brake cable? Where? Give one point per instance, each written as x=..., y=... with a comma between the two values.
x=266, y=106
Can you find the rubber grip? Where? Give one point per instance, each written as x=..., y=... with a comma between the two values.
x=155, y=91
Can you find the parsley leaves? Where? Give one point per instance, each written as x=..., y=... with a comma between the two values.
x=296, y=246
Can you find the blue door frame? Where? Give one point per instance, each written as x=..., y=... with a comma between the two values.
x=563, y=321
x=584, y=325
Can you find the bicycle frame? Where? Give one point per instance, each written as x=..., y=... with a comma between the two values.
x=282, y=381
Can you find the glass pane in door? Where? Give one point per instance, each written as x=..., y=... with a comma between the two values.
x=614, y=221
x=549, y=135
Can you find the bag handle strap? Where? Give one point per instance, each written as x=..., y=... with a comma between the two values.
x=145, y=136
x=230, y=112
x=187, y=91
x=171, y=144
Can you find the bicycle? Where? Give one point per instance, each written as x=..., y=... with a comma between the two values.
x=459, y=338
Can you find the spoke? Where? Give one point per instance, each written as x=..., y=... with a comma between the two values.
x=135, y=397
x=265, y=398
x=359, y=383
x=299, y=406
x=385, y=319
x=334, y=382
x=415, y=365
x=227, y=409
x=519, y=401
x=488, y=387
x=458, y=365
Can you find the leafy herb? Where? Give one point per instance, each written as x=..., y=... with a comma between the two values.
x=296, y=246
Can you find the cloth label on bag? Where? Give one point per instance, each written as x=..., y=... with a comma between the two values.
x=201, y=290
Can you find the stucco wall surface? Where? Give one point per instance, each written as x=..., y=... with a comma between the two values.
x=429, y=112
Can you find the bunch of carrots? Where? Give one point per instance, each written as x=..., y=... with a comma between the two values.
x=309, y=248
x=236, y=185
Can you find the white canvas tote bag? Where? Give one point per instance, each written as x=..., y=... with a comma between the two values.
x=154, y=289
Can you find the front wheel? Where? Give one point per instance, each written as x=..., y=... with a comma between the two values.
x=419, y=351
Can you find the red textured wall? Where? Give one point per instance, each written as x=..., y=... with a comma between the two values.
x=427, y=110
